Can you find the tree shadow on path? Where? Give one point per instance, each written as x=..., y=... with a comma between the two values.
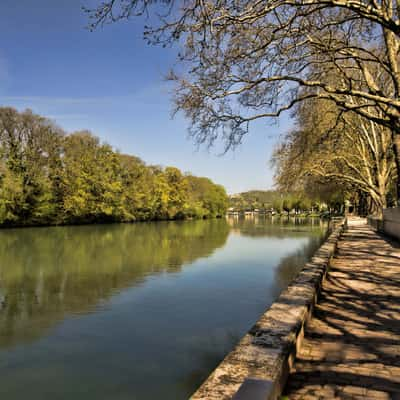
x=351, y=348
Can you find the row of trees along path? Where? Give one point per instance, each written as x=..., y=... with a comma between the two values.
x=351, y=348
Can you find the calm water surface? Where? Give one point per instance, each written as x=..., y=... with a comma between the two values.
x=141, y=311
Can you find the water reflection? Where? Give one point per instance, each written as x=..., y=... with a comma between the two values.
x=291, y=265
x=47, y=272
x=100, y=312
x=282, y=227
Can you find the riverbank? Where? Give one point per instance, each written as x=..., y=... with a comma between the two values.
x=180, y=218
x=106, y=222
x=281, y=215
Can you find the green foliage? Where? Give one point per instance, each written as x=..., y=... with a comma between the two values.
x=48, y=177
x=271, y=199
x=205, y=199
x=255, y=199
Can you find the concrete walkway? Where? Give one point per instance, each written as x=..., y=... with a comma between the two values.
x=351, y=348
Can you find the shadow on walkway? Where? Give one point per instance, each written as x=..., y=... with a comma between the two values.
x=352, y=345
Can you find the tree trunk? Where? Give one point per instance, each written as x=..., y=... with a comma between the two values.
x=380, y=205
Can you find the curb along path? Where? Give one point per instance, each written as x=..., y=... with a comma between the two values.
x=351, y=348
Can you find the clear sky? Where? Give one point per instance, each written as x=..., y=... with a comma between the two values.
x=111, y=82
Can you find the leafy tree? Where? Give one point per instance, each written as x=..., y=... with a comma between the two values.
x=277, y=205
x=136, y=194
x=205, y=199
x=29, y=147
x=177, y=192
x=91, y=179
x=287, y=204
x=49, y=177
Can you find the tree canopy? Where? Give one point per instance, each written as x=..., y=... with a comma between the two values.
x=50, y=177
x=345, y=151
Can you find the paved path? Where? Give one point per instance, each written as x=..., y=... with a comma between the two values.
x=352, y=344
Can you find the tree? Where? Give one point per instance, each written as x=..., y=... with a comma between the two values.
x=205, y=199
x=29, y=154
x=91, y=179
x=249, y=60
x=277, y=205
x=177, y=192
x=246, y=60
x=287, y=204
x=136, y=179
x=348, y=150
x=49, y=177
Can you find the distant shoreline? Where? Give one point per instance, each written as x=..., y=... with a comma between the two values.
x=49, y=225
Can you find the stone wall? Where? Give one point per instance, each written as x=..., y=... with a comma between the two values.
x=391, y=222
x=259, y=365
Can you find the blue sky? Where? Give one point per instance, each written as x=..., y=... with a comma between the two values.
x=111, y=82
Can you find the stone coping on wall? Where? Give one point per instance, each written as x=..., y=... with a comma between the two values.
x=261, y=361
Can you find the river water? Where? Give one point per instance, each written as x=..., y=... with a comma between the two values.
x=136, y=311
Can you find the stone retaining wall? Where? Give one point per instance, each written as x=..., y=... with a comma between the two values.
x=260, y=363
x=389, y=224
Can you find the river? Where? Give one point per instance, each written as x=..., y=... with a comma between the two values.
x=137, y=311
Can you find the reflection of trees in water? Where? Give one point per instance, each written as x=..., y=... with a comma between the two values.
x=46, y=273
x=291, y=265
x=285, y=272
x=206, y=360
x=279, y=227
